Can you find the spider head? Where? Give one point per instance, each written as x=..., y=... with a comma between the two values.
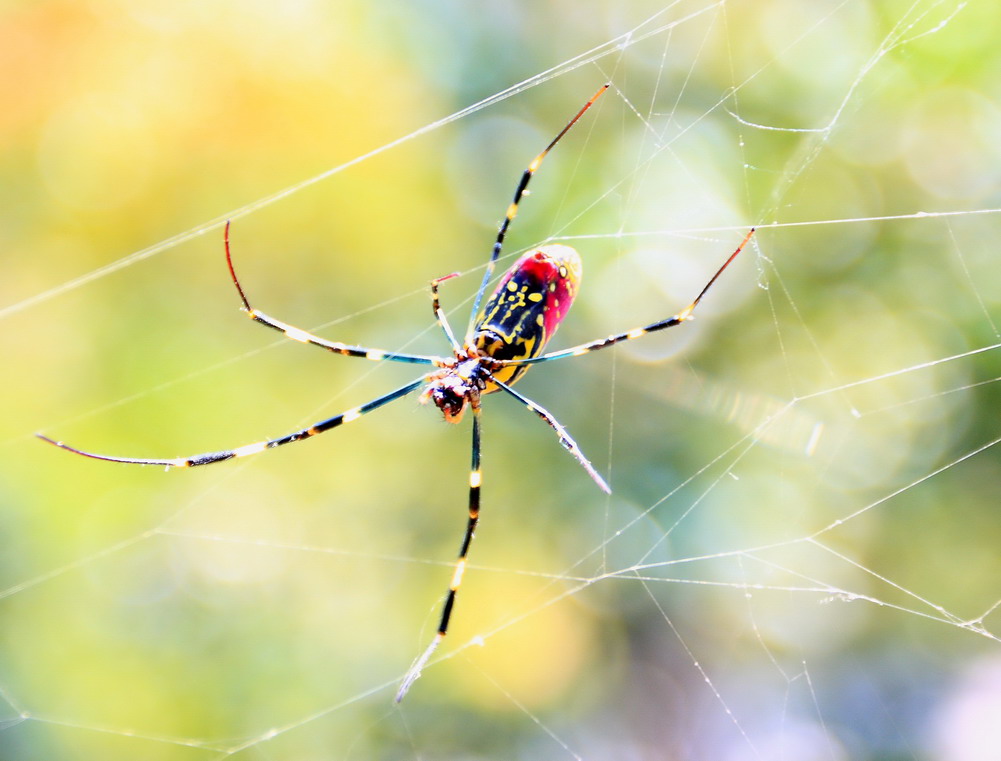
x=450, y=394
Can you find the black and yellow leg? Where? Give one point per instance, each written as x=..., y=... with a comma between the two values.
x=475, y=482
x=512, y=208
x=439, y=314
x=302, y=336
x=208, y=458
x=601, y=343
x=565, y=440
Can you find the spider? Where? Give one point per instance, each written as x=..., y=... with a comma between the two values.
x=501, y=343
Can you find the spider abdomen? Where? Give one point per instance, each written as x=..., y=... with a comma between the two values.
x=527, y=307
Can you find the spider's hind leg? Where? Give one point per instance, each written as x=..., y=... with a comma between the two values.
x=475, y=481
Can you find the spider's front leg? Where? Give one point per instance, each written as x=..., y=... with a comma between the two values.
x=303, y=336
x=439, y=313
x=512, y=208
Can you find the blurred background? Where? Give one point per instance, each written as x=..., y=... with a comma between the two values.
x=800, y=556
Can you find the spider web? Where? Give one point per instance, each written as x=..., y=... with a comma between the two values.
x=799, y=557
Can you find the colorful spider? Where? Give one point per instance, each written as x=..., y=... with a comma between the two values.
x=502, y=342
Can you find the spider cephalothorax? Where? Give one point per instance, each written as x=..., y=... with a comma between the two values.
x=458, y=383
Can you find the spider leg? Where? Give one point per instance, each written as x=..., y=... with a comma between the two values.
x=475, y=479
x=208, y=458
x=568, y=443
x=512, y=209
x=439, y=314
x=601, y=343
x=302, y=336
